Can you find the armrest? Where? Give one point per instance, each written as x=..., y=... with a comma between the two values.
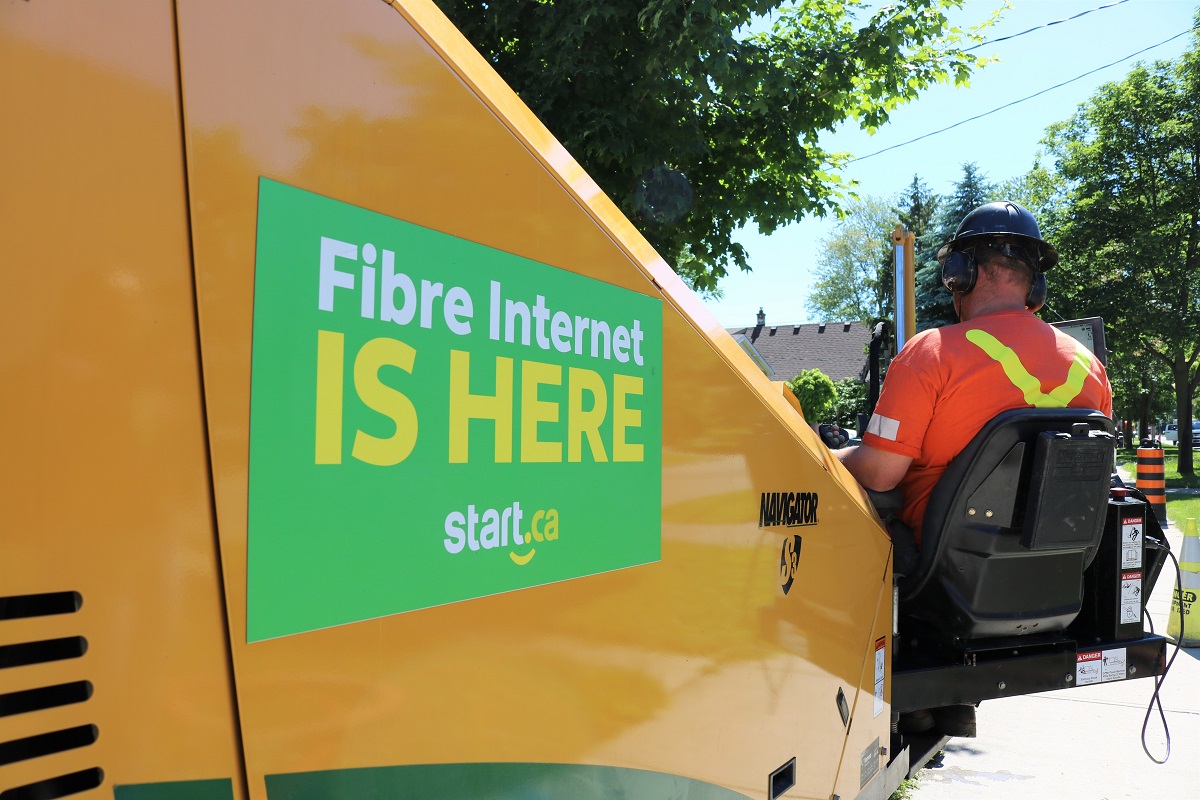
x=886, y=503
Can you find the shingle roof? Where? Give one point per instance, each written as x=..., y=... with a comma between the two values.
x=839, y=349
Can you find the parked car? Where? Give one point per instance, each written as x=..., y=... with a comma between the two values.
x=1170, y=433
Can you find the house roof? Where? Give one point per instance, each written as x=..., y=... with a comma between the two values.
x=837, y=348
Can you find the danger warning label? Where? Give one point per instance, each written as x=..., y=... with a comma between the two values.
x=1131, y=543
x=1131, y=597
x=1100, y=666
x=880, y=662
x=1087, y=668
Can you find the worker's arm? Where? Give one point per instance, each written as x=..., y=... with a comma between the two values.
x=875, y=469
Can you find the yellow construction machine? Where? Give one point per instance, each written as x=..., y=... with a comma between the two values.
x=356, y=446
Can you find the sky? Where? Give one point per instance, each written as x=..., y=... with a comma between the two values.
x=1003, y=145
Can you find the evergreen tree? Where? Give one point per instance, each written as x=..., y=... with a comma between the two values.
x=934, y=306
x=915, y=208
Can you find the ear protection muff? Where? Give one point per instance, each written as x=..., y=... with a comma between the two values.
x=1037, y=293
x=959, y=271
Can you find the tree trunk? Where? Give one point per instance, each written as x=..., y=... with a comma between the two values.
x=1183, y=413
x=1144, y=417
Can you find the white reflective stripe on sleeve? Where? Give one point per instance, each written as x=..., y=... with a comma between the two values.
x=884, y=427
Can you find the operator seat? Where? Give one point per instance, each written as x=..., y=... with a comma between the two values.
x=1010, y=528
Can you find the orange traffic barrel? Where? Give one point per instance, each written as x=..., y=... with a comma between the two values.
x=1150, y=479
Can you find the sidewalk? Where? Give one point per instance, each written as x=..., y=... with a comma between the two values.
x=1085, y=743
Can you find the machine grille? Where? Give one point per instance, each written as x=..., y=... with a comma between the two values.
x=27, y=697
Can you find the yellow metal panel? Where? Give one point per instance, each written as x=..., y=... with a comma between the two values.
x=871, y=720
x=104, y=487
x=697, y=665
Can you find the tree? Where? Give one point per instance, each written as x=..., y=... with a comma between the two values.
x=934, y=306
x=916, y=207
x=850, y=284
x=814, y=389
x=856, y=268
x=1142, y=389
x=849, y=400
x=694, y=121
x=1131, y=157
x=1040, y=191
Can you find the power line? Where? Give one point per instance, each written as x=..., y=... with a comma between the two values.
x=1046, y=25
x=1023, y=99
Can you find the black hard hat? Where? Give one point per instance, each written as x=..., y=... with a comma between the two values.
x=1007, y=219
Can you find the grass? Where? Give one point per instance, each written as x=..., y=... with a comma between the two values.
x=1127, y=457
x=1179, y=509
x=905, y=790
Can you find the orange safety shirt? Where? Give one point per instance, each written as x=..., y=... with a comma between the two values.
x=948, y=382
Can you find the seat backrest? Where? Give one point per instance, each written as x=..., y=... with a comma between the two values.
x=1012, y=524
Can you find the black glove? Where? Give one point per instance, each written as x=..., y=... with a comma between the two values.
x=833, y=436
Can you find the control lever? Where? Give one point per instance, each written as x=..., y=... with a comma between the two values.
x=833, y=436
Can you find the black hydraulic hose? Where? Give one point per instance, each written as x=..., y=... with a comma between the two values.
x=1155, y=699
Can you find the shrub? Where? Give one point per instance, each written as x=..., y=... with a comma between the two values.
x=816, y=394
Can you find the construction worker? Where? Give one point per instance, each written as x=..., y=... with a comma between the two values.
x=948, y=382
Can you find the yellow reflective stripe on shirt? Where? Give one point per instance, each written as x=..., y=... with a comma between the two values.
x=1029, y=386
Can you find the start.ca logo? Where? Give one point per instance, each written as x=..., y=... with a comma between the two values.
x=494, y=528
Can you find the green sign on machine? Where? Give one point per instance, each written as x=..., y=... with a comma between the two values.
x=433, y=420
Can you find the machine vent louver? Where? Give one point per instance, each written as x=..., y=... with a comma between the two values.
x=30, y=698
